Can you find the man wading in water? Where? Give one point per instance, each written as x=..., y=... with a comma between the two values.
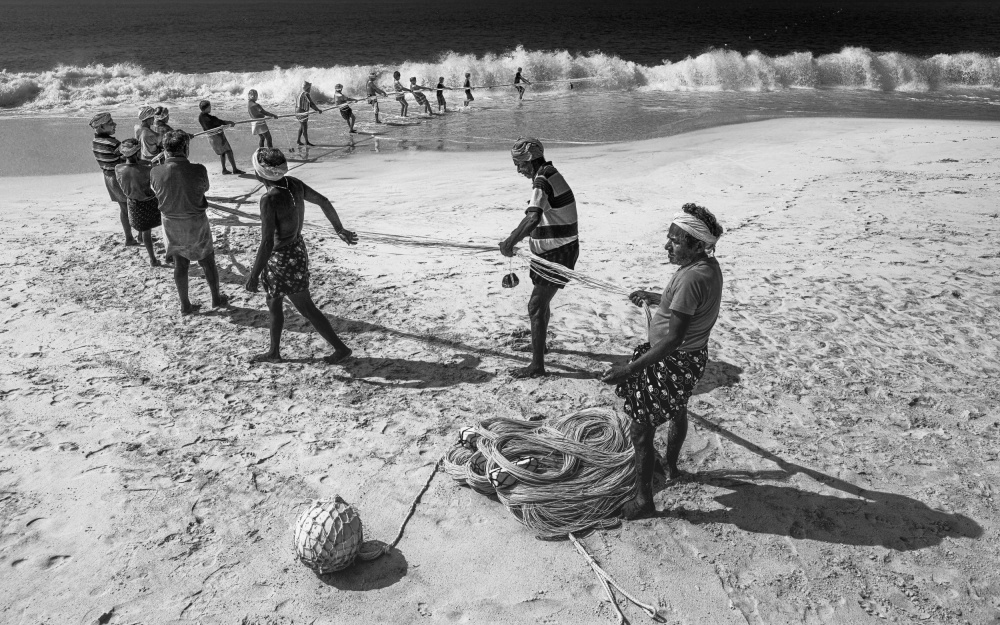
x=658, y=380
x=551, y=223
x=282, y=257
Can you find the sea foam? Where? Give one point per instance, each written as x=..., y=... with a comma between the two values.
x=71, y=88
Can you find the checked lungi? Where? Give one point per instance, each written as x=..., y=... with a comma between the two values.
x=287, y=270
x=144, y=214
x=661, y=391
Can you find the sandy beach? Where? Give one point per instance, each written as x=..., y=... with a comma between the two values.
x=844, y=448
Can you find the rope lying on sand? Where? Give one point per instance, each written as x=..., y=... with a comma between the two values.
x=377, y=549
x=584, y=471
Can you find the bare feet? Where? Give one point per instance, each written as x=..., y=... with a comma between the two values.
x=528, y=372
x=338, y=356
x=130, y=242
x=638, y=509
x=266, y=357
x=154, y=262
x=238, y=171
x=190, y=309
x=225, y=172
x=222, y=301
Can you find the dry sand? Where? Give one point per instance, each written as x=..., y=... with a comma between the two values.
x=844, y=446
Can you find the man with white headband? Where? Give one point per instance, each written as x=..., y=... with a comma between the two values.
x=302, y=105
x=256, y=111
x=551, y=223
x=282, y=262
x=658, y=380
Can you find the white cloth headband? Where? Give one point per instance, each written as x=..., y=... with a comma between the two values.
x=266, y=171
x=695, y=227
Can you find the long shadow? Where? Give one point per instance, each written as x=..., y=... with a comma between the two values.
x=871, y=518
x=418, y=373
x=373, y=575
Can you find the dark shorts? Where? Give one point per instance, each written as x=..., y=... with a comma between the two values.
x=346, y=113
x=468, y=95
x=220, y=143
x=565, y=255
x=420, y=98
x=401, y=99
x=114, y=189
x=144, y=214
x=660, y=392
x=287, y=270
x=441, y=98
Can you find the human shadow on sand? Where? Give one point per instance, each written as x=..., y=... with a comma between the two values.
x=372, y=575
x=869, y=518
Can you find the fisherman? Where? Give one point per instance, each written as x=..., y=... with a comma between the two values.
x=218, y=138
x=421, y=99
x=400, y=94
x=659, y=378
x=108, y=157
x=256, y=111
x=180, y=186
x=468, y=89
x=342, y=102
x=143, y=211
x=551, y=223
x=282, y=262
x=518, y=79
x=302, y=105
x=373, y=92
x=442, y=104
x=148, y=138
x=161, y=126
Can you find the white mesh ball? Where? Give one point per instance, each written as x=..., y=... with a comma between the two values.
x=328, y=536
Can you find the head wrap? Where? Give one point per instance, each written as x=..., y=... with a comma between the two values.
x=306, y=83
x=129, y=147
x=268, y=172
x=162, y=114
x=527, y=149
x=146, y=112
x=99, y=120
x=372, y=73
x=338, y=86
x=252, y=92
x=696, y=228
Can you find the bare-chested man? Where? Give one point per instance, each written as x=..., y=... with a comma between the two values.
x=282, y=262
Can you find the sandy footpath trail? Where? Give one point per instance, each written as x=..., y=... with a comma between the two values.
x=844, y=448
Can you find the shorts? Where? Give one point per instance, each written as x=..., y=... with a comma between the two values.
x=258, y=128
x=401, y=99
x=565, y=255
x=441, y=99
x=346, y=113
x=468, y=95
x=420, y=98
x=114, y=189
x=301, y=118
x=220, y=143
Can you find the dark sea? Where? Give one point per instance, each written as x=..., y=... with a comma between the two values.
x=600, y=71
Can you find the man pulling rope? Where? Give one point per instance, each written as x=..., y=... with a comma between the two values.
x=551, y=223
x=659, y=378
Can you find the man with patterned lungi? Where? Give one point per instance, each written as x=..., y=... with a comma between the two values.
x=659, y=378
x=282, y=263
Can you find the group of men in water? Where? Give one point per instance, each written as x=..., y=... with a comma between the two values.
x=655, y=383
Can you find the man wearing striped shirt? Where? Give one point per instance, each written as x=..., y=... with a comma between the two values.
x=107, y=155
x=551, y=224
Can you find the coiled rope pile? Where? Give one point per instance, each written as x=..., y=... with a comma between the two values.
x=584, y=474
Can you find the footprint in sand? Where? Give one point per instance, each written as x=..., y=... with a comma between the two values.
x=56, y=561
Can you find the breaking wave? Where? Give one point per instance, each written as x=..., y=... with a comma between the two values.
x=69, y=88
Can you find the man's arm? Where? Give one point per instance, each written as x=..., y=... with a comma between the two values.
x=530, y=221
x=640, y=296
x=315, y=197
x=679, y=324
x=267, y=228
x=312, y=104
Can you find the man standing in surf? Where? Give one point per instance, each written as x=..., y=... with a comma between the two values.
x=282, y=257
x=662, y=373
x=518, y=79
x=551, y=223
x=302, y=105
x=256, y=111
x=373, y=91
x=468, y=89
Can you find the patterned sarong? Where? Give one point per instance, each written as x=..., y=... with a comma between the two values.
x=287, y=270
x=143, y=214
x=659, y=392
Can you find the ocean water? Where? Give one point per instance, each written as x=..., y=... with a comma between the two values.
x=603, y=71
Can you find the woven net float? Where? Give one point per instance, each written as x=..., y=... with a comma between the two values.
x=328, y=536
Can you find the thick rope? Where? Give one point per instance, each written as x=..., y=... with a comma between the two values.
x=380, y=550
x=585, y=469
x=609, y=581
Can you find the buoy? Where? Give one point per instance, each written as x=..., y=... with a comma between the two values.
x=510, y=281
x=478, y=463
x=500, y=478
x=328, y=536
x=467, y=438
